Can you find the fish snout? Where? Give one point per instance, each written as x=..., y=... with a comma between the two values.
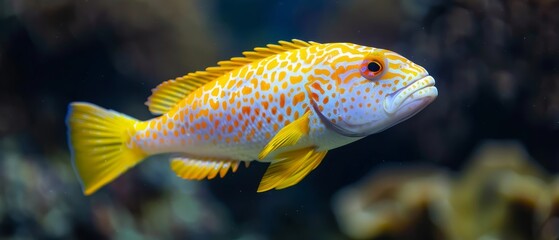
x=414, y=96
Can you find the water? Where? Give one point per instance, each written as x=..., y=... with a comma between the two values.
x=496, y=67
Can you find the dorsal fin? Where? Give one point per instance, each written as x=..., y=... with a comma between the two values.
x=170, y=92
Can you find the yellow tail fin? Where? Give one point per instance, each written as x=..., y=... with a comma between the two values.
x=100, y=144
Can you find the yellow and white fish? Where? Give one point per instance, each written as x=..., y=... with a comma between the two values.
x=285, y=104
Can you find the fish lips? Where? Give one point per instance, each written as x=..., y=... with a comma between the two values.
x=411, y=99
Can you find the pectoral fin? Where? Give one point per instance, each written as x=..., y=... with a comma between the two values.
x=288, y=135
x=293, y=167
x=195, y=169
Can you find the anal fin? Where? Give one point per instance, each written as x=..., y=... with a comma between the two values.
x=292, y=167
x=198, y=169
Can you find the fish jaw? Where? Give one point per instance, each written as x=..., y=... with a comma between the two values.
x=409, y=100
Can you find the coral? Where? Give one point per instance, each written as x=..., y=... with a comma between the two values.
x=40, y=198
x=501, y=194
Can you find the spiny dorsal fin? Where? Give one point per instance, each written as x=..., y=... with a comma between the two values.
x=170, y=92
x=196, y=169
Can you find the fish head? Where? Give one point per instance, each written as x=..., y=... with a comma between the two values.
x=375, y=89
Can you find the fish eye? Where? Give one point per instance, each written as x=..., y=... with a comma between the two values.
x=371, y=69
x=374, y=66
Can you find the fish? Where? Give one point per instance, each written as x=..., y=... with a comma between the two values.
x=286, y=104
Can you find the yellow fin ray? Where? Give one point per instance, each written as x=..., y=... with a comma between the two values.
x=288, y=135
x=197, y=169
x=98, y=139
x=312, y=162
x=293, y=166
x=169, y=93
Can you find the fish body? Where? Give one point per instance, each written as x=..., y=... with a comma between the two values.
x=285, y=104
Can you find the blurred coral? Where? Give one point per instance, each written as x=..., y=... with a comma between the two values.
x=40, y=199
x=502, y=194
x=393, y=202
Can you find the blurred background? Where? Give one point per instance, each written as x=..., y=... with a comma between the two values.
x=479, y=163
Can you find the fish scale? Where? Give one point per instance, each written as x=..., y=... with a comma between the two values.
x=285, y=104
x=261, y=101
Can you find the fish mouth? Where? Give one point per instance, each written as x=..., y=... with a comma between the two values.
x=412, y=98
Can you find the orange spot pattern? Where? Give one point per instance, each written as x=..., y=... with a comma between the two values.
x=250, y=104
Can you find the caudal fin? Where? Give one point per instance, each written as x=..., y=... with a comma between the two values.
x=99, y=141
